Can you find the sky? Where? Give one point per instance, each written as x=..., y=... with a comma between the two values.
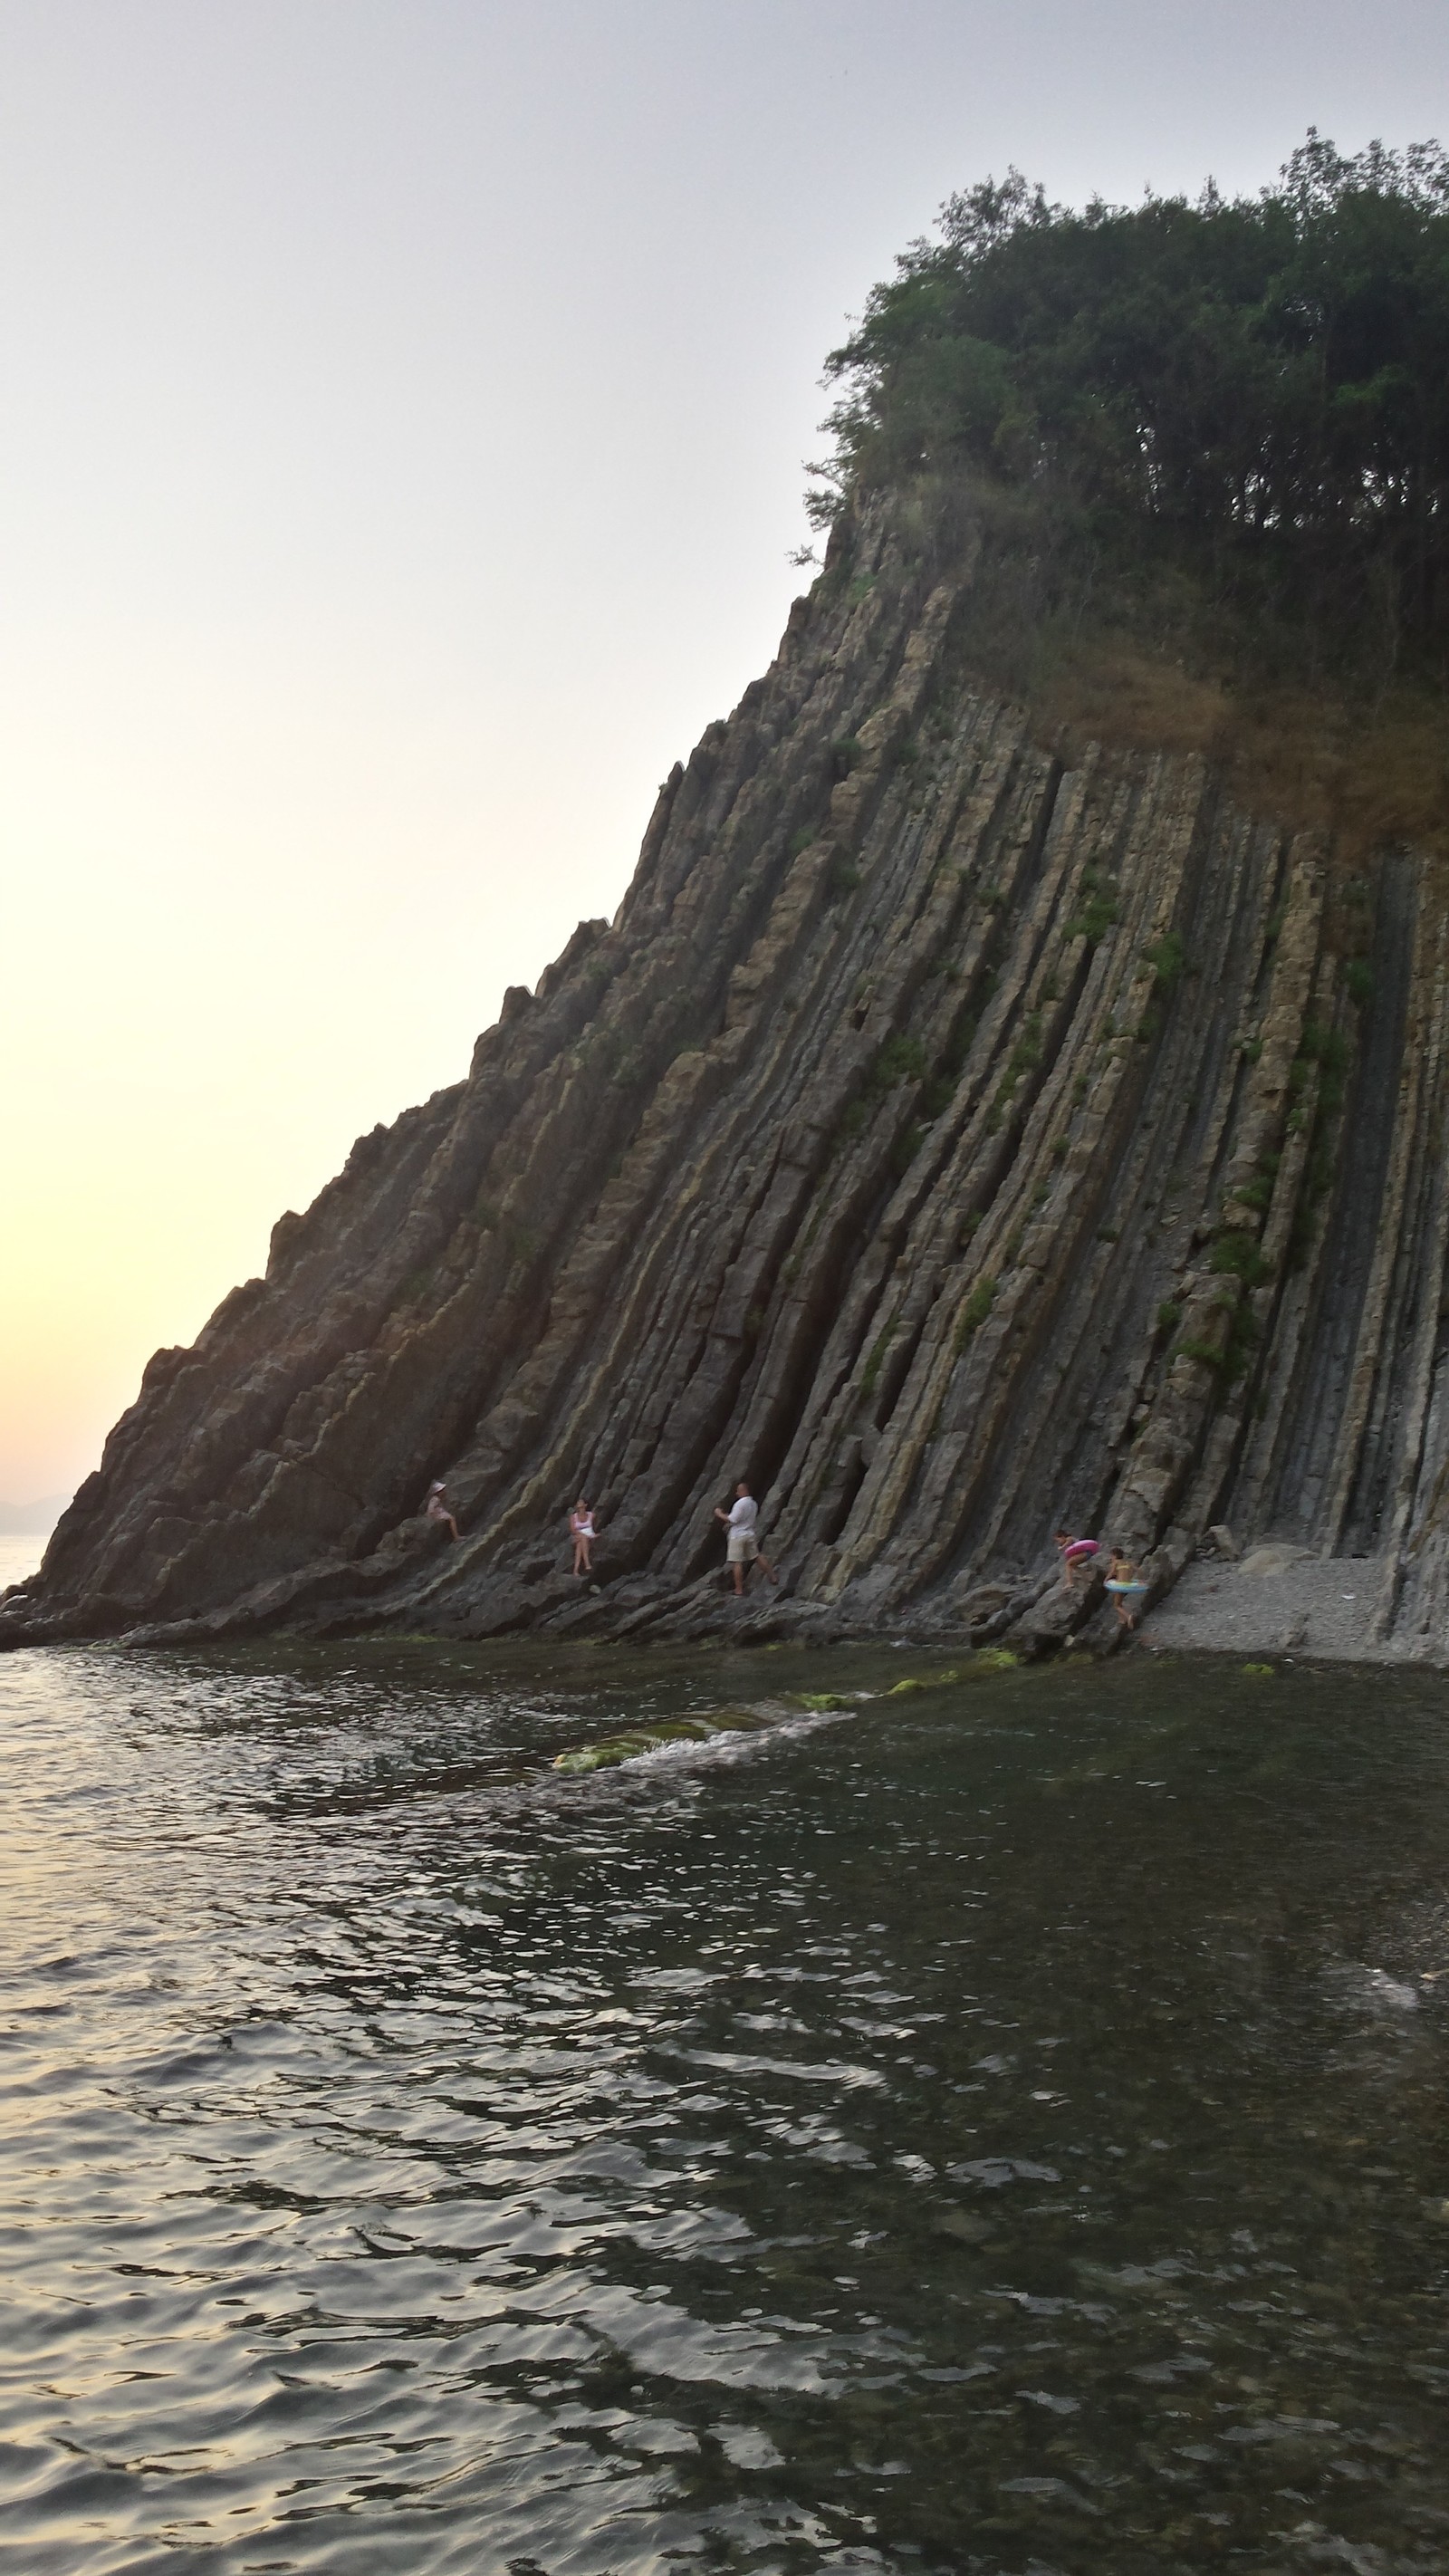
x=401, y=441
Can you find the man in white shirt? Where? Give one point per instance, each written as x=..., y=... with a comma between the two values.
x=744, y=1548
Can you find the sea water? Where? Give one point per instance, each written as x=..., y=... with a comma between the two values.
x=1000, y=2126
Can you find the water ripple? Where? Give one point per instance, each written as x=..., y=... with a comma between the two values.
x=877, y=2143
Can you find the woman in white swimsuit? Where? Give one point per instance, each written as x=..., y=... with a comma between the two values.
x=581, y=1526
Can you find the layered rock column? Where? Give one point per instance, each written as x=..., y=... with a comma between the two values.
x=953, y=1141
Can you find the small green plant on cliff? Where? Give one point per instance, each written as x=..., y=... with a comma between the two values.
x=1358, y=981
x=841, y=879
x=1318, y=1176
x=1229, y=1360
x=974, y=1313
x=901, y=1059
x=1025, y=1056
x=1094, y=920
x=844, y=755
x=1204, y=1354
x=1321, y=1044
x=1237, y=1254
x=1327, y=1048
x=801, y=839
x=1241, y=1344
x=1169, y=1316
x=1167, y=958
x=870, y=1374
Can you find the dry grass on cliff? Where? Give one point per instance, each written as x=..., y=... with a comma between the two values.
x=1133, y=653
x=1371, y=777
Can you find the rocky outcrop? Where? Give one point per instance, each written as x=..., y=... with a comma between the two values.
x=953, y=1139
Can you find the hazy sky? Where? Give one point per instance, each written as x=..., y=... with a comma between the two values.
x=402, y=418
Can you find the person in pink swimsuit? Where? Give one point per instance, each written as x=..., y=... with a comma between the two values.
x=1077, y=1555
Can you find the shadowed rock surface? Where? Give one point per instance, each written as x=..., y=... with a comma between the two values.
x=953, y=1142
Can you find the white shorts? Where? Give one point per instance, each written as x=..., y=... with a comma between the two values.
x=743, y=1548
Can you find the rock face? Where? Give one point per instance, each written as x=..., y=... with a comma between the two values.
x=953, y=1142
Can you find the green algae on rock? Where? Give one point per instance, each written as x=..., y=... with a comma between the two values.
x=627, y=1747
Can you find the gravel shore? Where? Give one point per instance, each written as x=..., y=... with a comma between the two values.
x=1278, y=1600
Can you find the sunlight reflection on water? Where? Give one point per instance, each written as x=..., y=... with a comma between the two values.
x=19, y=1557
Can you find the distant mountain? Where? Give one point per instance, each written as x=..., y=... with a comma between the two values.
x=23, y=1520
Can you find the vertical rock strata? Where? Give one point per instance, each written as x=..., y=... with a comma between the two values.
x=950, y=1141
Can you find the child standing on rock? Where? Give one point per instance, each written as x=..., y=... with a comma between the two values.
x=1126, y=1587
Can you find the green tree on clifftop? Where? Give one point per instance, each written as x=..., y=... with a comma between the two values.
x=1255, y=390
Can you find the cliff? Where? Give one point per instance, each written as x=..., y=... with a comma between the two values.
x=954, y=1137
